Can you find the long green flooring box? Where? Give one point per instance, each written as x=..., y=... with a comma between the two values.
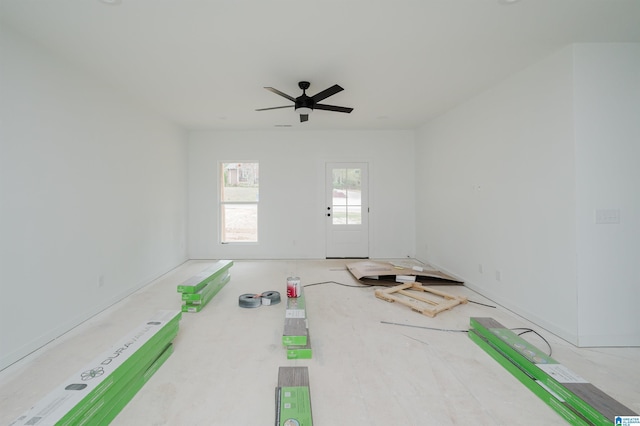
x=133, y=388
x=300, y=351
x=295, y=322
x=201, y=299
x=551, y=399
x=127, y=376
x=200, y=280
x=218, y=283
x=293, y=397
x=573, y=397
x=92, y=393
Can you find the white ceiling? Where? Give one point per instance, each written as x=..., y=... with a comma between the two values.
x=204, y=63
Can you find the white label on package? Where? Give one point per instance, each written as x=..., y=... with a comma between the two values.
x=294, y=313
x=561, y=373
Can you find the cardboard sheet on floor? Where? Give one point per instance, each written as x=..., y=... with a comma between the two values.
x=392, y=273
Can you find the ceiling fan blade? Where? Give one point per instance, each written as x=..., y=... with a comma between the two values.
x=304, y=117
x=333, y=108
x=277, y=92
x=326, y=93
x=265, y=109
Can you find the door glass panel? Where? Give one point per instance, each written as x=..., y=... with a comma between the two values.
x=354, y=215
x=347, y=197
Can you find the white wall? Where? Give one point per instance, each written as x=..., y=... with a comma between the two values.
x=497, y=189
x=92, y=189
x=292, y=205
x=512, y=181
x=607, y=121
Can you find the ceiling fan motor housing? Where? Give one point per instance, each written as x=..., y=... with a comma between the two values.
x=304, y=101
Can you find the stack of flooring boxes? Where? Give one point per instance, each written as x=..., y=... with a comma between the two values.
x=296, y=331
x=198, y=290
x=98, y=392
x=575, y=399
x=293, y=397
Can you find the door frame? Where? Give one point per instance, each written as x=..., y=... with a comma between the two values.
x=363, y=251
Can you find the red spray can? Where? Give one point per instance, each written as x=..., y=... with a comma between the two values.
x=293, y=287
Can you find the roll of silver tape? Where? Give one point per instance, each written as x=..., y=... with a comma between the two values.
x=249, y=300
x=270, y=298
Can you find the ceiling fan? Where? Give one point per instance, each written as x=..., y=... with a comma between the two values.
x=305, y=104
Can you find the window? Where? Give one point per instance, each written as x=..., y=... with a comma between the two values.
x=347, y=200
x=239, y=194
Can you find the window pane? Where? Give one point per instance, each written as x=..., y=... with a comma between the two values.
x=240, y=182
x=239, y=223
x=347, y=197
x=339, y=215
x=354, y=215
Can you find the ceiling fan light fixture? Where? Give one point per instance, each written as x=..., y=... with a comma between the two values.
x=304, y=110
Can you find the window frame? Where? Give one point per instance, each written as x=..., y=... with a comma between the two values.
x=222, y=165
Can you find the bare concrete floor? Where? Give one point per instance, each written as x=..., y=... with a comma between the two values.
x=363, y=372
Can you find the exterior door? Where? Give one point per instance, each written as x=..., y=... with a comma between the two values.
x=347, y=210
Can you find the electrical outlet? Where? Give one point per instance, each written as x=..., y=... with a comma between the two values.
x=607, y=216
x=498, y=275
x=100, y=280
x=480, y=268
